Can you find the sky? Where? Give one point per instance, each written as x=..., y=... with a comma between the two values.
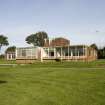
x=81, y=21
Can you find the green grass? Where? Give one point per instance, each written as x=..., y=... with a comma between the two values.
x=2, y=61
x=65, y=83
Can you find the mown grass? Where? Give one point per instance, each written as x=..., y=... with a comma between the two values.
x=2, y=61
x=65, y=83
x=78, y=64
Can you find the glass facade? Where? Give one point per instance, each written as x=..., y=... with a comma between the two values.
x=26, y=52
x=71, y=51
x=53, y=52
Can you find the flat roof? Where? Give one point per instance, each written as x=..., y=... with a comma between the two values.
x=69, y=46
x=52, y=46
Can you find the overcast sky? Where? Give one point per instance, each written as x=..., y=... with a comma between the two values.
x=82, y=21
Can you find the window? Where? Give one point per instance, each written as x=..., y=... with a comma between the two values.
x=9, y=56
x=81, y=52
x=13, y=56
x=51, y=54
x=24, y=52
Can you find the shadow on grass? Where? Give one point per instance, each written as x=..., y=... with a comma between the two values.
x=2, y=82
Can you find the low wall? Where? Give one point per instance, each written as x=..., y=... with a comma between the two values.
x=26, y=61
x=75, y=58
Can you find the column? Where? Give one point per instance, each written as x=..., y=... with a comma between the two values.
x=68, y=52
x=54, y=53
x=48, y=52
x=41, y=54
x=16, y=53
x=78, y=54
x=61, y=53
x=11, y=56
x=71, y=54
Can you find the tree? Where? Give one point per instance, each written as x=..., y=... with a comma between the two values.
x=3, y=41
x=94, y=46
x=11, y=49
x=103, y=52
x=37, y=39
x=100, y=54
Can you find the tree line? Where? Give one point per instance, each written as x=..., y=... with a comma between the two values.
x=38, y=39
x=100, y=51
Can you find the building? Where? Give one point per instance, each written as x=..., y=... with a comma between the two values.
x=56, y=50
x=71, y=53
x=56, y=42
x=10, y=55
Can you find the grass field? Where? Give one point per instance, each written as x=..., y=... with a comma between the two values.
x=69, y=83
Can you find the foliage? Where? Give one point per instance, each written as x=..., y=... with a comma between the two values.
x=101, y=53
x=94, y=46
x=11, y=49
x=37, y=39
x=2, y=56
x=3, y=41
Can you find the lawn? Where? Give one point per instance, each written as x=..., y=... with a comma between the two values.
x=7, y=62
x=61, y=83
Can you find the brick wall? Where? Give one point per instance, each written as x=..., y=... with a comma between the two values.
x=57, y=42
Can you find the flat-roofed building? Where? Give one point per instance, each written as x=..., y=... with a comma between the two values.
x=51, y=53
x=10, y=55
x=58, y=49
x=75, y=53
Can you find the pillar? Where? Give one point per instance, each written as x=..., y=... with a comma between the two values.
x=68, y=52
x=61, y=53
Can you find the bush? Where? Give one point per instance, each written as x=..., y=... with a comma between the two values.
x=58, y=60
x=2, y=56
